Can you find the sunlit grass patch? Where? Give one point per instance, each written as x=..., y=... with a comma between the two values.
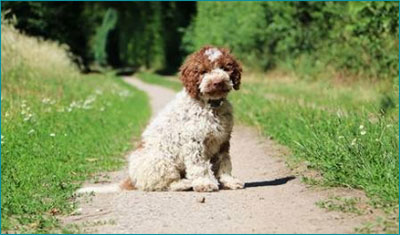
x=58, y=128
x=339, y=132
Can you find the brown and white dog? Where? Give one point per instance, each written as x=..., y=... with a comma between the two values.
x=187, y=145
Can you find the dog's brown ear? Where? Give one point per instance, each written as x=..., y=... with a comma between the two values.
x=232, y=65
x=189, y=75
x=236, y=75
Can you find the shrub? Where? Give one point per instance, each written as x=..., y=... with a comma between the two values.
x=309, y=38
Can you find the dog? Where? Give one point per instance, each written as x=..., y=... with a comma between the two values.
x=187, y=145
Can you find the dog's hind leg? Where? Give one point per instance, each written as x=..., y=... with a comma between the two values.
x=180, y=185
x=152, y=170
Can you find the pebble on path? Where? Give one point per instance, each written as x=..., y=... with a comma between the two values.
x=201, y=199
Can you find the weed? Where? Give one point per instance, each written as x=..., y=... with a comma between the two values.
x=387, y=225
x=342, y=204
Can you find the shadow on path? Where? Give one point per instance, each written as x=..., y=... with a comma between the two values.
x=274, y=182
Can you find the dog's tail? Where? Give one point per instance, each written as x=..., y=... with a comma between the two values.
x=110, y=188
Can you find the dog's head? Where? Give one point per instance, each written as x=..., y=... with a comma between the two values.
x=210, y=73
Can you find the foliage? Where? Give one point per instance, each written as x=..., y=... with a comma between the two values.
x=149, y=33
x=58, y=128
x=102, y=36
x=237, y=25
x=310, y=38
x=119, y=34
x=59, y=21
x=140, y=30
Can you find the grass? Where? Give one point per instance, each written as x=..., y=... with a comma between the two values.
x=381, y=224
x=58, y=128
x=387, y=224
x=343, y=204
x=347, y=133
x=152, y=78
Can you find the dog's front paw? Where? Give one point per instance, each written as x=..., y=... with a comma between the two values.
x=205, y=185
x=229, y=182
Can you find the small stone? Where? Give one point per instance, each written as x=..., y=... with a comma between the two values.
x=201, y=199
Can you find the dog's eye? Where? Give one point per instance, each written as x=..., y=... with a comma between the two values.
x=226, y=69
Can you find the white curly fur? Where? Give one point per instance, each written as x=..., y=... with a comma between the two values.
x=213, y=54
x=182, y=148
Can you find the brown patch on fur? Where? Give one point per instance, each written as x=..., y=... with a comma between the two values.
x=216, y=160
x=224, y=147
x=198, y=64
x=127, y=184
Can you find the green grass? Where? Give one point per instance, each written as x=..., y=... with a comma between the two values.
x=343, y=204
x=342, y=132
x=381, y=224
x=152, y=78
x=58, y=128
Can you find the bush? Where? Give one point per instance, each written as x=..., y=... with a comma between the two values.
x=357, y=38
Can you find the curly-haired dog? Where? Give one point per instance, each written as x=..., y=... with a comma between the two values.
x=187, y=144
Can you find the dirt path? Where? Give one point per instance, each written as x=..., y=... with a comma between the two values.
x=272, y=202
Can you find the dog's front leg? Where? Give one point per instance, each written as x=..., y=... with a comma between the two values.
x=224, y=169
x=198, y=169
